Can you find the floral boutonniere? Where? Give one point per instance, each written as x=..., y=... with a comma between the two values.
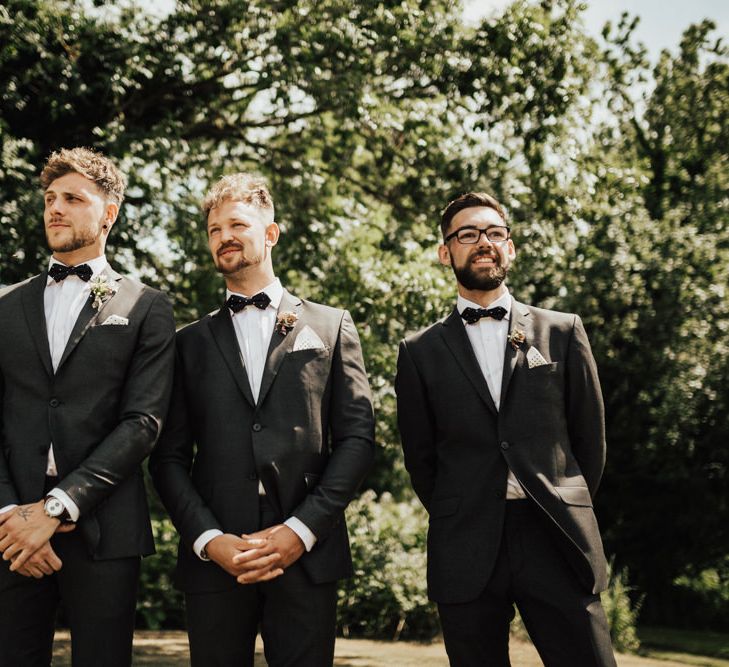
x=285, y=322
x=101, y=290
x=516, y=338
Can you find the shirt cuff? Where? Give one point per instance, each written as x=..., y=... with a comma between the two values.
x=201, y=542
x=73, y=511
x=7, y=508
x=302, y=530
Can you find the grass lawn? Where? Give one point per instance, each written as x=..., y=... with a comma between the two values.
x=706, y=649
x=169, y=649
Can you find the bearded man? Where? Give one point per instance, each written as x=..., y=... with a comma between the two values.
x=502, y=426
x=86, y=365
x=271, y=432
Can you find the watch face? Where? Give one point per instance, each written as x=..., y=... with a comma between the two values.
x=54, y=507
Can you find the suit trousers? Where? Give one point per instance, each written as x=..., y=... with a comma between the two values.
x=297, y=619
x=98, y=599
x=565, y=622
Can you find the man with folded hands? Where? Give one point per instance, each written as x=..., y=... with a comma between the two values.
x=270, y=434
x=86, y=363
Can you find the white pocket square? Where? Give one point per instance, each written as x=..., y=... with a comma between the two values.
x=115, y=319
x=308, y=340
x=535, y=358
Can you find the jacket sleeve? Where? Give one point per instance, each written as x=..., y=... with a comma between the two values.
x=171, y=463
x=8, y=494
x=415, y=423
x=585, y=411
x=351, y=424
x=143, y=407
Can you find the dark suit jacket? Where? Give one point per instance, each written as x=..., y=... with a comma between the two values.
x=102, y=409
x=309, y=438
x=549, y=431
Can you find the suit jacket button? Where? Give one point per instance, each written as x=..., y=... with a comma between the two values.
x=252, y=476
x=500, y=494
x=54, y=402
x=505, y=445
x=257, y=427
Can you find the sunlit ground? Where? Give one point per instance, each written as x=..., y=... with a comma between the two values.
x=170, y=648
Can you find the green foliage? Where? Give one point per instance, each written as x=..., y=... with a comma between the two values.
x=702, y=596
x=367, y=117
x=621, y=612
x=159, y=604
x=387, y=596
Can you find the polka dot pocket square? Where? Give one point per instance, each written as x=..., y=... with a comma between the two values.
x=308, y=340
x=534, y=358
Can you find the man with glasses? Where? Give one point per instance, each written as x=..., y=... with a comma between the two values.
x=502, y=426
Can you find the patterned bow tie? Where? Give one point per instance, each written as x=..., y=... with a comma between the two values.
x=60, y=272
x=473, y=315
x=237, y=303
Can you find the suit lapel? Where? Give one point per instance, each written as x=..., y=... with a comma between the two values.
x=456, y=339
x=280, y=345
x=88, y=315
x=36, y=317
x=223, y=332
x=519, y=319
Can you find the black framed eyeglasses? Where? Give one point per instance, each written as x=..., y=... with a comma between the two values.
x=471, y=235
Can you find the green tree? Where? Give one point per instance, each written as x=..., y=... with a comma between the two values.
x=367, y=117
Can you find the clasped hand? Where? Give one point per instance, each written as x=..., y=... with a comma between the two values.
x=25, y=532
x=257, y=557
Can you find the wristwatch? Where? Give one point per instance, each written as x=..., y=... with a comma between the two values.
x=55, y=509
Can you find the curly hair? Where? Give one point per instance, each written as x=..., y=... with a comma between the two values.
x=246, y=188
x=90, y=164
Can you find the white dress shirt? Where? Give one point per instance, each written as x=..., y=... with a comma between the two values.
x=62, y=303
x=253, y=330
x=489, y=338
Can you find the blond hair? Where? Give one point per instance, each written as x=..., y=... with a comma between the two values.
x=246, y=188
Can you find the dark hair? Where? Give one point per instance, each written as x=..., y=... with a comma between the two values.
x=90, y=164
x=468, y=200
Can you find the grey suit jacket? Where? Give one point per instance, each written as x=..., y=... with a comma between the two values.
x=458, y=448
x=102, y=409
x=309, y=438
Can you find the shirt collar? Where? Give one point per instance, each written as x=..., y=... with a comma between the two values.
x=274, y=291
x=504, y=301
x=97, y=265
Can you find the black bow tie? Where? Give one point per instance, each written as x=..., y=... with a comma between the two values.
x=237, y=303
x=473, y=315
x=60, y=272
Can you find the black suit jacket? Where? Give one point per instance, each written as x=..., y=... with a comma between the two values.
x=309, y=438
x=549, y=431
x=102, y=409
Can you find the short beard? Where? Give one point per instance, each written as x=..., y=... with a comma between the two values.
x=242, y=263
x=481, y=280
x=229, y=271
x=80, y=239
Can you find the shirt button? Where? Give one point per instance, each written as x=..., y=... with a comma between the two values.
x=257, y=427
x=54, y=402
x=505, y=445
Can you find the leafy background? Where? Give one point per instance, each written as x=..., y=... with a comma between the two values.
x=366, y=118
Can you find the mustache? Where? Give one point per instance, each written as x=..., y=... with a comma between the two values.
x=55, y=218
x=485, y=253
x=227, y=245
